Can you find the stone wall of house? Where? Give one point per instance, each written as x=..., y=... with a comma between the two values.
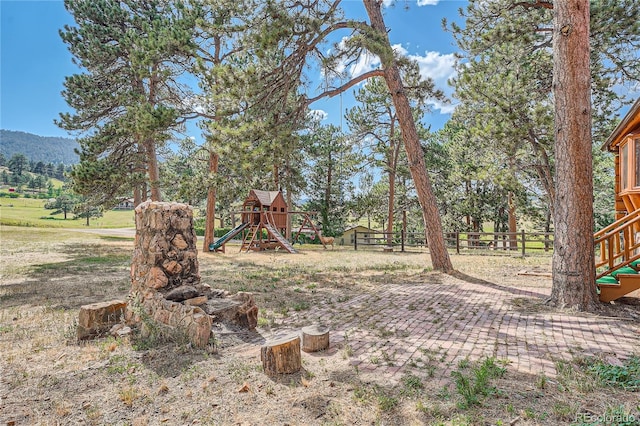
x=165, y=279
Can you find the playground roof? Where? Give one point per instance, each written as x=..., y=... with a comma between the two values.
x=266, y=198
x=629, y=123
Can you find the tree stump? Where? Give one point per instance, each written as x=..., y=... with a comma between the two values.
x=281, y=355
x=315, y=338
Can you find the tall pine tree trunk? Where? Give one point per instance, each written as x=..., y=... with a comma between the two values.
x=392, y=200
x=392, y=162
x=513, y=223
x=573, y=256
x=137, y=195
x=210, y=220
x=153, y=170
x=433, y=225
x=327, y=196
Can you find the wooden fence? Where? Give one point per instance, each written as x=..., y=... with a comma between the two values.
x=507, y=242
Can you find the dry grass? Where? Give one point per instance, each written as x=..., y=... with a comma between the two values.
x=48, y=378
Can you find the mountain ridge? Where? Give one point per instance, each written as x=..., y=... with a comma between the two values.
x=48, y=149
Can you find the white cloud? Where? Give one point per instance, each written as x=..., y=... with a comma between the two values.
x=318, y=114
x=440, y=67
x=399, y=50
x=389, y=3
x=435, y=65
x=444, y=108
x=366, y=62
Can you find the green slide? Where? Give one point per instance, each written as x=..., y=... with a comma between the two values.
x=226, y=237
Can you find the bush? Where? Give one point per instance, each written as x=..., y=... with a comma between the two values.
x=198, y=226
x=308, y=239
x=9, y=194
x=219, y=232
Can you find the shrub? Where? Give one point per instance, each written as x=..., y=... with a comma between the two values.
x=9, y=194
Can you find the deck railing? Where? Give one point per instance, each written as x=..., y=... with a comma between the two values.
x=618, y=244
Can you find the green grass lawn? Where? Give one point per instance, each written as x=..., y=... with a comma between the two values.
x=31, y=212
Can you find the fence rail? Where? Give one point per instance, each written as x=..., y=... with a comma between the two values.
x=521, y=242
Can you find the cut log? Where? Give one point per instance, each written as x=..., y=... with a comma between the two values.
x=240, y=309
x=98, y=318
x=315, y=338
x=281, y=355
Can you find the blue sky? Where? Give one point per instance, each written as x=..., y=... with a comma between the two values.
x=34, y=61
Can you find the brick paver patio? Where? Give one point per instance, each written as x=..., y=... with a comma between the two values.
x=410, y=325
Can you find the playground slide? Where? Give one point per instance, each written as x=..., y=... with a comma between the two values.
x=278, y=237
x=226, y=237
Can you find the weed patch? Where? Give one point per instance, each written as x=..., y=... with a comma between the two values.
x=474, y=384
x=625, y=376
x=412, y=384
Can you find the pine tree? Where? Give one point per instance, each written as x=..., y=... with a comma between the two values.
x=59, y=174
x=223, y=68
x=18, y=164
x=128, y=98
x=506, y=85
x=331, y=162
x=376, y=123
x=64, y=203
x=505, y=78
x=573, y=256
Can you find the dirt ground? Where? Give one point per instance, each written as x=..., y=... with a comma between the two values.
x=49, y=378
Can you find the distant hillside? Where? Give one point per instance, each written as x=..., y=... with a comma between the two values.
x=38, y=148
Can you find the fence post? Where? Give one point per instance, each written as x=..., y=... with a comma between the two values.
x=546, y=241
x=355, y=240
x=402, y=240
x=458, y=242
x=523, y=242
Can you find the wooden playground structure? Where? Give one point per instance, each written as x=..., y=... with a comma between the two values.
x=265, y=222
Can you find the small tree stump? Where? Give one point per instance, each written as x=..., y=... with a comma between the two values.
x=315, y=338
x=281, y=355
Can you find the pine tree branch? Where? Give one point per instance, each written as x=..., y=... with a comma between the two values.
x=533, y=5
x=333, y=92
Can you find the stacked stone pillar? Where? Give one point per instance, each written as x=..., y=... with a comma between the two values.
x=165, y=264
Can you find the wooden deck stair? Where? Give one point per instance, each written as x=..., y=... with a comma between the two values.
x=626, y=284
x=619, y=262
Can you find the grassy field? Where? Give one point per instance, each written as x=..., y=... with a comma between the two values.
x=31, y=213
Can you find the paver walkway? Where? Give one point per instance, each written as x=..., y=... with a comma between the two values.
x=449, y=319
